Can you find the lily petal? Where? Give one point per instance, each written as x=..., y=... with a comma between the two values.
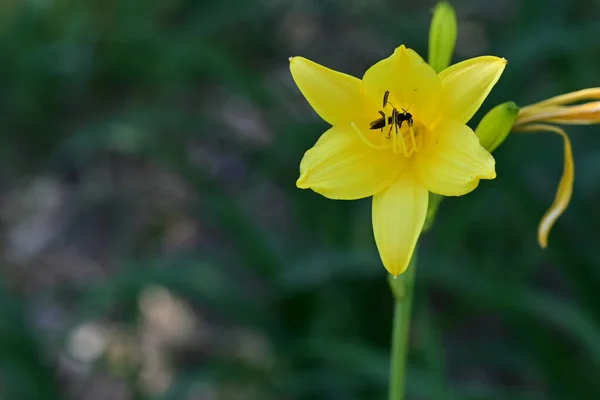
x=337, y=97
x=412, y=83
x=467, y=84
x=564, y=99
x=398, y=217
x=581, y=114
x=452, y=161
x=565, y=187
x=340, y=166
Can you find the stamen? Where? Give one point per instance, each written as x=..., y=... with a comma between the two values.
x=364, y=139
x=394, y=143
x=412, y=139
x=404, y=149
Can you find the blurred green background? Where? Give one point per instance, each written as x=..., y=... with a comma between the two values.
x=154, y=245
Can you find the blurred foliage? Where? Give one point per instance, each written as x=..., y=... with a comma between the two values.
x=155, y=245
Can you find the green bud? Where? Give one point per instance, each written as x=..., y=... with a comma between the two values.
x=496, y=125
x=442, y=36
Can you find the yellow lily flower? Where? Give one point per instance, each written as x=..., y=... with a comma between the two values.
x=543, y=117
x=397, y=134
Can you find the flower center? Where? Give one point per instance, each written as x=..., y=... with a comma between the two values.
x=397, y=128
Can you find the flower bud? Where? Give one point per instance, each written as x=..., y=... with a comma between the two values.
x=496, y=125
x=442, y=36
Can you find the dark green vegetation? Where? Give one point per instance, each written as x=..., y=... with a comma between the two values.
x=155, y=245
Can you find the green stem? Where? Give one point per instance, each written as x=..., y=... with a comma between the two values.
x=402, y=289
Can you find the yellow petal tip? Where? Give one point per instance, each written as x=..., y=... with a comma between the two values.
x=499, y=60
x=491, y=173
x=396, y=271
x=296, y=59
x=400, y=49
x=301, y=182
x=542, y=236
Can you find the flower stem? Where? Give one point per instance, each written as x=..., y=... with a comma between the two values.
x=402, y=289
